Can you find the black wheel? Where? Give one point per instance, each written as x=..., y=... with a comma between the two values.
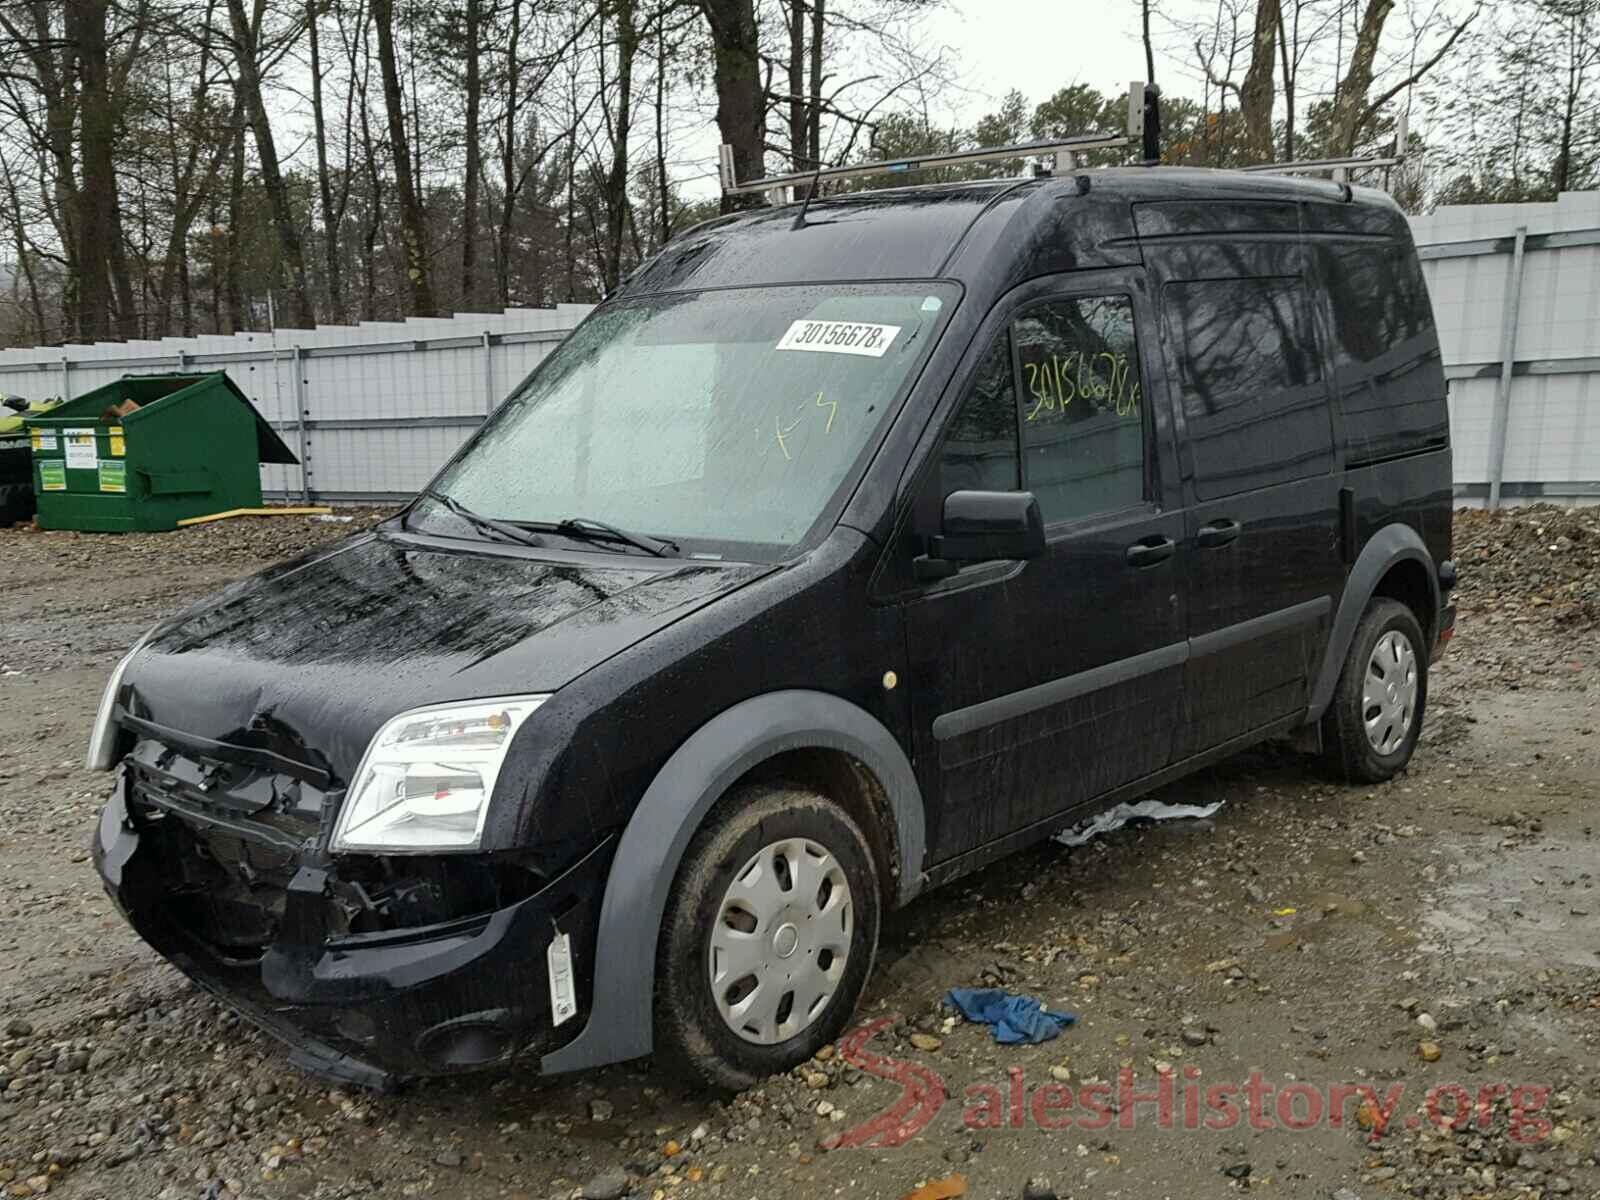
x=1372, y=723
x=768, y=937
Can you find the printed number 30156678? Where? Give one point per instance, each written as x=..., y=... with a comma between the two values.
x=839, y=337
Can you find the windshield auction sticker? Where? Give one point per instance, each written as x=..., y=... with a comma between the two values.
x=839, y=337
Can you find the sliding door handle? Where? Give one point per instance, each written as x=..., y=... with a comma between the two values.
x=1218, y=533
x=1150, y=551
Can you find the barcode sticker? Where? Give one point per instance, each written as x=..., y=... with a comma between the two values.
x=839, y=337
x=563, y=992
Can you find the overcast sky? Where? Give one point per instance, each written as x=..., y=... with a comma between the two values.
x=1039, y=47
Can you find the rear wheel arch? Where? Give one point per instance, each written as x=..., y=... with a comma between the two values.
x=795, y=735
x=1407, y=581
x=1395, y=557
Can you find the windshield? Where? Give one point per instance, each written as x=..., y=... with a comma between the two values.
x=713, y=417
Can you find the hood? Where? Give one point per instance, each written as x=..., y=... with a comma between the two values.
x=310, y=658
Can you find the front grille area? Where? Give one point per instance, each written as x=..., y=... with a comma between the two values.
x=233, y=837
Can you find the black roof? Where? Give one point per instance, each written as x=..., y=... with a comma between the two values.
x=1002, y=230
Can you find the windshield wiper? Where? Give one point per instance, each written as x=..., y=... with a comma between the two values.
x=482, y=523
x=598, y=531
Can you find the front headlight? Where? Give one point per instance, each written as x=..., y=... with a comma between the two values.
x=425, y=781
x=103, y=738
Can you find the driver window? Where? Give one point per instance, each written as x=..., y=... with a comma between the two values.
x=1074, y=432
x=1083, y=428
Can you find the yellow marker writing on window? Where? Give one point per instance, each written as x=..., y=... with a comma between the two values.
x=832, y=406
x=777, y=422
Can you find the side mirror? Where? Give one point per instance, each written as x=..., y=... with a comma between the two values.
x=982, y=527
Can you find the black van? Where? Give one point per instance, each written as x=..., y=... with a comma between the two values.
x=845, y=550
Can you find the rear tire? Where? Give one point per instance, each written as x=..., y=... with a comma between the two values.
x=768, y=937
x=1371, y=727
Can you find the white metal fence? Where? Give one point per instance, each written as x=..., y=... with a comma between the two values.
x=374, y=409
x=1516, y=291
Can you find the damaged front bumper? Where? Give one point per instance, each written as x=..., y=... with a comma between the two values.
x=369, y=1008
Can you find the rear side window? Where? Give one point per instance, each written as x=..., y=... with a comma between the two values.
x=1379, y=299
x=1385, y=350
x=1056, y=408
x=1250, y=380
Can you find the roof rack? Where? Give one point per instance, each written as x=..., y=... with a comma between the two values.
x=1341, y=166
x=1141, y=123
x=1144, y=128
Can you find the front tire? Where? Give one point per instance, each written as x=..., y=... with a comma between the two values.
x=768, y=937
x=1372, y=724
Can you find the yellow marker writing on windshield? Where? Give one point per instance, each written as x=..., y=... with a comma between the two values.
x=832, y=406
x=777, y=422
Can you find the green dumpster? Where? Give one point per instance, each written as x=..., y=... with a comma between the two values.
x=186, y=446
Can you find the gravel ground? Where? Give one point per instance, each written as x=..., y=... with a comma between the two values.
x=1437, y=930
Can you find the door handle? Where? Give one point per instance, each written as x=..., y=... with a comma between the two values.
x=1150, y=551
x=1219, y=533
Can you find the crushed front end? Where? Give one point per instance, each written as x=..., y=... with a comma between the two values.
x=371, y=967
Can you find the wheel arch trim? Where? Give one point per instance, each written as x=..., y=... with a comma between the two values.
x=621, y=1018
x=1390, y=545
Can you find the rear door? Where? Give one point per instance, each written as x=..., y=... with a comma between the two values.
x=1251, y=398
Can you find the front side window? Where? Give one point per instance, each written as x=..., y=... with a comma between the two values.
x=1083, y=437
x=720, y=419
x=1057, y=408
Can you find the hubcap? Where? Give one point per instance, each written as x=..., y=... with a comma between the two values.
x=780, y=942
x=1389, y=697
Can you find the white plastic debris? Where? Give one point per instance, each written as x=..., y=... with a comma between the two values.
x=1143, y=810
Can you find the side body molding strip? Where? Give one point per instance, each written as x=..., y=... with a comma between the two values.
x=621, y=1022
x=1057, y=691
x=1391, y=544
x=1266, y=625
x=1069, y=687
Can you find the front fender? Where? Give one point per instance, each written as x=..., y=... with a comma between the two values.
x=621, y=1022
x=1391, y=544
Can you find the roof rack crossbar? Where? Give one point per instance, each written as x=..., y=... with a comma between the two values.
x=1339, y=166
x=1061, y=148
x=1142, y=121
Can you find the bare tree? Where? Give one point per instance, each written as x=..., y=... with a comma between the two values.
x=1355, y=106
x=472, y=172
x=619, y=117
x=25, y=254
x=413, y=222
x=252, y=54
x=1257, y=95
x=334, y=197
x=741, y=109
